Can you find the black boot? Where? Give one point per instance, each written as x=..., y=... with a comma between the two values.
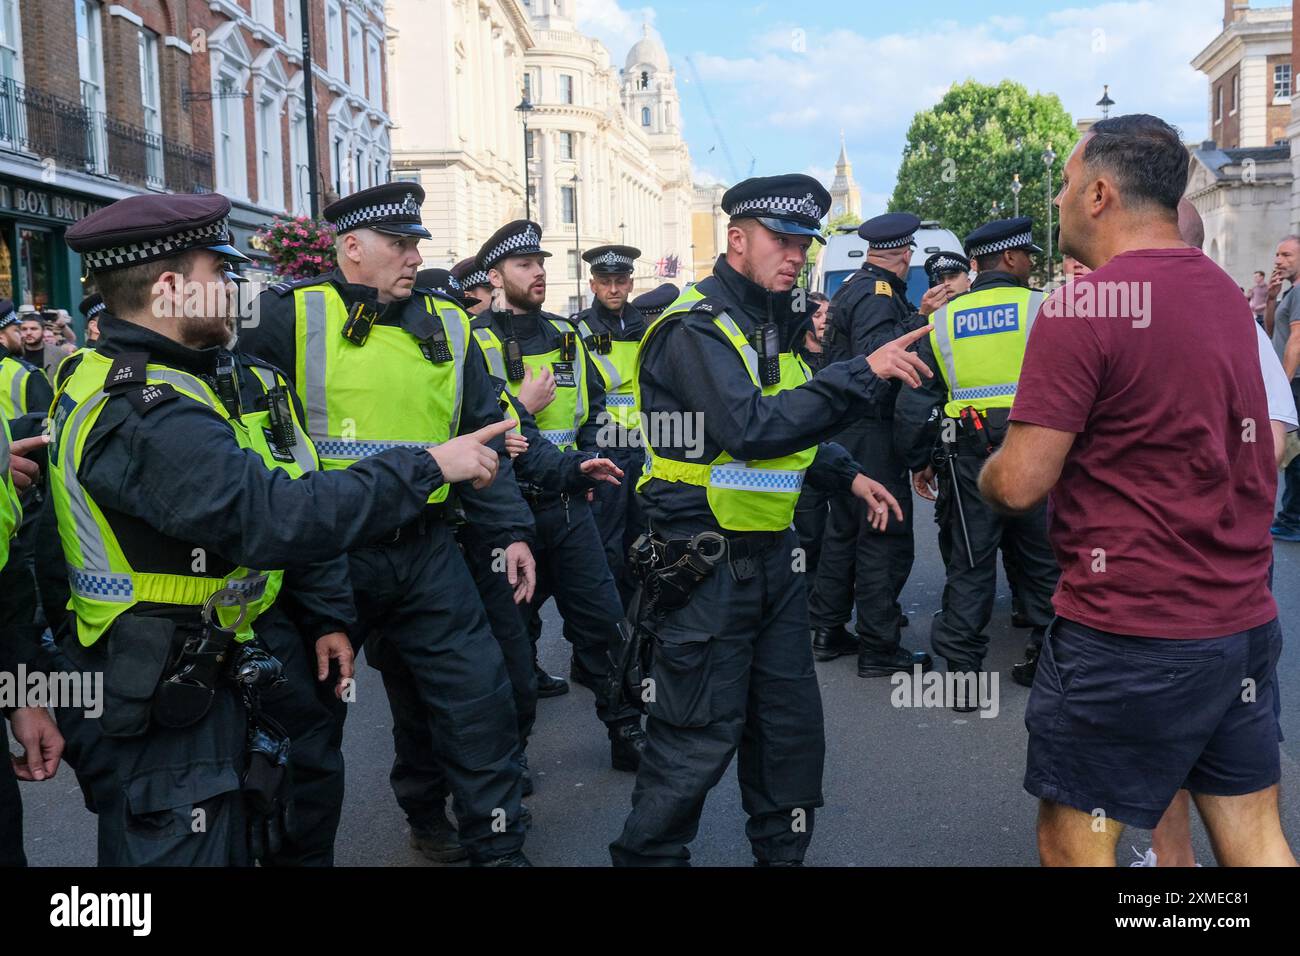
x=1023, y=672
x=626, y=741
x=882, y=664
x=516, y=858
x=437, y=841
x=548, y=686
x=903, y=620
x=829, y=643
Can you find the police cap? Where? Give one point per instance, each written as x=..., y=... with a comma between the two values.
x=945, y=263
x=893, y=230
x=142, y=229
x=444, y=281
x=793, y=204
x=1001, y=235
x=612, y=260
x=523, y=237
x=91, y=306
x=651, y=303
x=392, y=208
x=469, y=275
x=8, y=314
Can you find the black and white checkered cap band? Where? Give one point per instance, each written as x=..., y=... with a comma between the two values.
x=947, y=264
x=477, y=277
x=777, y=205
x=1011, y=242
x=407, y=208
x=527, y=240
x=613, y=259
x=95, y=309
x=9, y=318
x=894, y=243
x=211, y=235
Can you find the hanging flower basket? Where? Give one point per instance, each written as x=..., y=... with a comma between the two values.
x=299, y=247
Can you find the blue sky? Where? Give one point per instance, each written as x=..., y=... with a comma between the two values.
x=785, y=78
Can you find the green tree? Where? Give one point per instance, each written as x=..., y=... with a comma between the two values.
x=961, y=157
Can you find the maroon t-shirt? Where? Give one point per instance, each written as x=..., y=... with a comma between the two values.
x=1160, y=518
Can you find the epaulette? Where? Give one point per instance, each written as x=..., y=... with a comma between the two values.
x=288, y=285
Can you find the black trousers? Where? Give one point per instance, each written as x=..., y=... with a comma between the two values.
x=860, y=566
x=11, y=811
x=313, y=717
x=811, y=515
x=617, y=510
x=417, y=596
x=732, y=671
x=418, y=780
x=969, y=592
x=571, y=568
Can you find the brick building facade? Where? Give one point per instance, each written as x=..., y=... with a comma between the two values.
x=100, y=100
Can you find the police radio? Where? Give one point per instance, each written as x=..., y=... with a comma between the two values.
x=227, y=390
x=769, y=354
x=280, y=417
x=568, y=346
x=514, y=360
x=438, y=348
x=361, y=318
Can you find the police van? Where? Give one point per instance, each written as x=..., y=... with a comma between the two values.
x=845, y=252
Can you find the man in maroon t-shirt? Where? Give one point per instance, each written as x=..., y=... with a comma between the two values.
x=1141, y=408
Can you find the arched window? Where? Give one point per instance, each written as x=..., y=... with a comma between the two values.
x=645, y=116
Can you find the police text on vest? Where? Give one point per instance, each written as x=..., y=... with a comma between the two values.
x=987, y=320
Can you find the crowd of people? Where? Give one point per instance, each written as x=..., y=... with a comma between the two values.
x=219, y=515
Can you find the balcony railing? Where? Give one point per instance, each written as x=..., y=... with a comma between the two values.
x=51, y=127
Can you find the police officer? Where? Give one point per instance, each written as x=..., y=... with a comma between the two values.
x=950, y=270
x=611, y=329
x=860, y=564
x=732, y=667
x=813, y=510
x=166, y=518
x=32, y=726
x=474, y=284
x=652, y=304
x=976, y=345
x=524, y=347
x=24, y=389
x=90, y=308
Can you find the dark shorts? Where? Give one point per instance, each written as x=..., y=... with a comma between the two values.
x=1120, y=724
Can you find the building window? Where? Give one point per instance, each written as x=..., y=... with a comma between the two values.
x=566, y=146
x=575, y=305
x=90, y=64
x=356, y=65
x=566, y=205
x=529, y=145
x=264, y=13
x=270, y=188
x=566, y=88
x=151, y=101
x=334, y=37
x=1236, y=89
x=293, y=25
x=528, y=85
x=573, y=263
x=1218, y=105
x=228, y=110
x=339, y=165
x=374, y=71
x=645, y=116
x=1282, y=83
x=11, y=46
x=300, y=184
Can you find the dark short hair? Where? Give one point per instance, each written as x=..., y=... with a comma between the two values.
x=988, y=261
x=818, y=297
x=1259, y=272
x=1145, y=155
x=130, y=289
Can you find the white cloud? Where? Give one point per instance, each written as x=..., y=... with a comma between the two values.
x=613, y=26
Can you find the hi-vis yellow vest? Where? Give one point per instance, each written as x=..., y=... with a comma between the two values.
x=11, y=509
x=743, y=495
x=13, y=387
x=618, y=369
x=361, y=400
x=103, y=582
x=559, y=421
x=979, y=340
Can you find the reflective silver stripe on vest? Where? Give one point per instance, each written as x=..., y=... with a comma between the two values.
x=94, y=551
x=492, y=353
x=739, y=476
x=314, y=365
x=302, y=456
x=579, y=381
x=607, y=367
x=945, y=348
x=185, y=382
x=746, y=351
x=1036, y=300
x=455, y=329
x=561, y=438
x=18, y=390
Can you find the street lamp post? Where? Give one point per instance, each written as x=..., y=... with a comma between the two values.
x=524, y=108
x=1049, y=158
x=1015, y=191
x=994, y=209
x=577, y=246
x=622, y=233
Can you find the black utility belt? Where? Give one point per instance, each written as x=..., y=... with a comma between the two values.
x=730, y=546
x=432, y=516
x=540, y=498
